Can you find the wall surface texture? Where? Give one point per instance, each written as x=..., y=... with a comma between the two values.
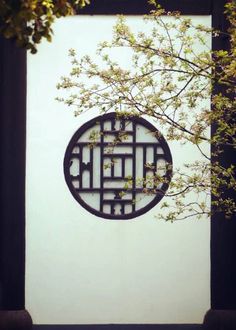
x=81, y=269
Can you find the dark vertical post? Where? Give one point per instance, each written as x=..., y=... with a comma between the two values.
x=12, y=174
x=223, y=231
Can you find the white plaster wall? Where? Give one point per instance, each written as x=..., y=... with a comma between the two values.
x=80, y=268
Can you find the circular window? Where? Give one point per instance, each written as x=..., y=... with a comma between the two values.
x=118, y=168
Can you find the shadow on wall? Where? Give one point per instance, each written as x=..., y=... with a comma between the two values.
x=121, y=327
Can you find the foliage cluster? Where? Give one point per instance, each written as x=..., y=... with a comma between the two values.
x=171, y=83
x=28, y=21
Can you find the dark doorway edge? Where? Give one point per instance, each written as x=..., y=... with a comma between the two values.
x=12, y=175
x=15, y=320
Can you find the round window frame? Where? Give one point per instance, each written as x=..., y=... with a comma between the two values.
x=66, y=164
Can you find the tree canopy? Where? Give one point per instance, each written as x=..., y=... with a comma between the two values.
x=28, y=21
x=171, y=83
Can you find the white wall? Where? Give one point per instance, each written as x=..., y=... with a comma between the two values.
x=83, y=269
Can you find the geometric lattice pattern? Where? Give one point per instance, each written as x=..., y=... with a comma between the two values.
x=118, y=168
